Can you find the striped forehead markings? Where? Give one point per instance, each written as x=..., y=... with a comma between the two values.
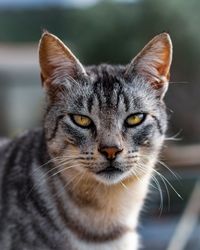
x=112, y=95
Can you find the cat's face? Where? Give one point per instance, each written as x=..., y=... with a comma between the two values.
x=105, y=122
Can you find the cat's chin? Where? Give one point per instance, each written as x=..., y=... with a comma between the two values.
x=111, y=176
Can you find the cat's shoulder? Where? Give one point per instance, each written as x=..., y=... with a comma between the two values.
x=26, y=142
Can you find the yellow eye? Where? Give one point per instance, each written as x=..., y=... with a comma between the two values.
x=81, y=120
x=136, y=119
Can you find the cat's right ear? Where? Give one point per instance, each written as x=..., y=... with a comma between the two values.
x=56, y=60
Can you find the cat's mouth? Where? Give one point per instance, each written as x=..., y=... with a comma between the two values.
x=112, y=173
x=110, y=170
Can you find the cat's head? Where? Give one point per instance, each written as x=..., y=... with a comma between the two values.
x=105, y=122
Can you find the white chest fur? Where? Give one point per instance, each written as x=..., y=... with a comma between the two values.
x=122, y=208
x=127, y=242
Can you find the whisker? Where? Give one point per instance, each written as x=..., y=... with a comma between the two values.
x=123, y=185
x=62, y=170
x=58, y=194
x=46, y=163
x=54, y=159
x=81, y=177
x=158, y=187
x=168, y=182
x=168, y=194
x=183, y=82
x=174, y=137
x=141, y=169
x=178, y=177
x=44, y=177
x=160, y=193
x=62, y=163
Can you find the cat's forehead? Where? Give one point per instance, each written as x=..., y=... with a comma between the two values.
x=108, y=90
x=106, y=74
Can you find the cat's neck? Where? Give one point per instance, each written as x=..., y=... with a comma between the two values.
x=106, y=205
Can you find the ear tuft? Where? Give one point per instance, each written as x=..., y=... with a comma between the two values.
x=55, y=58
x=154, y=62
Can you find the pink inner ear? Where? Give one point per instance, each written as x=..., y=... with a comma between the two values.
x=56, y=59
x=154, y=64
x=154, y=61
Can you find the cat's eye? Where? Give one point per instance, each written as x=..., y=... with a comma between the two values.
x=81, y=121
x=135, y=119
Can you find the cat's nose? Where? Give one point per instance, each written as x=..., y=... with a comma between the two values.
x=110, y=152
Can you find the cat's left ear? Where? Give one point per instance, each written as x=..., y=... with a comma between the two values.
x=153, y=63
x=56, y=60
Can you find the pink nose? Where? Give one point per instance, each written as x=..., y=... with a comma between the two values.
x=110, y=152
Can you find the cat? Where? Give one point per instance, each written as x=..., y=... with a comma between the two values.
x=79, y=183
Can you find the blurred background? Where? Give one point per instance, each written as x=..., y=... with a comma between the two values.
x=113, y=32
